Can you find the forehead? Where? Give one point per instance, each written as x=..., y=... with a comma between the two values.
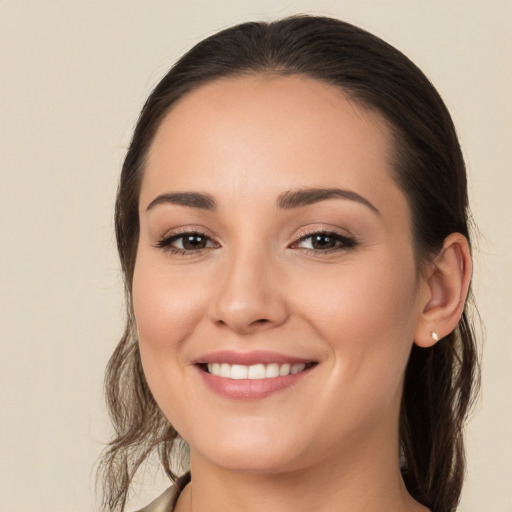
x=283, y=132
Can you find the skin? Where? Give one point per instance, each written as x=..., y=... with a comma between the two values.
x=259, y=284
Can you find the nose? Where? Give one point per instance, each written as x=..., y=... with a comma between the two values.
x=251, y=295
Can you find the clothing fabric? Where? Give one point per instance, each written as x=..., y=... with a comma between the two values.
x=166, y=502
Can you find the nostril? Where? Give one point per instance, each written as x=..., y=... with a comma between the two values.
x=260, y=321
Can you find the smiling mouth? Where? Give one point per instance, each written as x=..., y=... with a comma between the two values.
x=255, y=371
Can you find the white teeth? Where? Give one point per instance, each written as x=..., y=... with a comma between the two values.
x=239, y=372
x=225, y=370
x=296, y=368
x=272, y=371
x=285, y=369
x=255, y=371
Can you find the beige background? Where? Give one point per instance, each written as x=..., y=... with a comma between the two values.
x=73, y=77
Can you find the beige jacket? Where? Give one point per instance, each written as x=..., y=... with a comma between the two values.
x=167, y=500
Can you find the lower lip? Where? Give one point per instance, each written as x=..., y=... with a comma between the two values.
x=250, y=389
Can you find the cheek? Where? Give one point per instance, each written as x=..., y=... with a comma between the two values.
x=362, y=296
x=166, y=305
x=367, y=316
x=167, y=308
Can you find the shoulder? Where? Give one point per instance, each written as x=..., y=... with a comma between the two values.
x=167, y=500
x=164, y=503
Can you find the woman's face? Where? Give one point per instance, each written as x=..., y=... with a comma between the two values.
x=275, y=286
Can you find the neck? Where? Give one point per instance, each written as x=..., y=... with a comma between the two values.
x=369, y=482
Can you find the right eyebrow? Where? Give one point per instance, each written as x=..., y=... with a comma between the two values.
x=190, y=199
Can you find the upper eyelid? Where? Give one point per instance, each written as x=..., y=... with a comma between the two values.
x=321, y=232
x=182, y=231
x=306, y=233
x=166, y=239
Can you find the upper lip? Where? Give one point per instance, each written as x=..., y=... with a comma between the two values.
x=249, y=358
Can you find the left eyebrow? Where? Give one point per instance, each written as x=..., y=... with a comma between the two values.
x=307, y=196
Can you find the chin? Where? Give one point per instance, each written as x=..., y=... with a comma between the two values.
x=249, y=454
x=244, y=462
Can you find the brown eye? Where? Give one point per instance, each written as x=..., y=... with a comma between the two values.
x=193, y=242
x=325, y=242
x=186, y=242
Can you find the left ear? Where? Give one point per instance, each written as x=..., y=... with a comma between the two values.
x=447, y=284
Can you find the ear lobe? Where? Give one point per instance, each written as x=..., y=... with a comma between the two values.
x=447, y=285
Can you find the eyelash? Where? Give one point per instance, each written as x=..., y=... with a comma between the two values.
x=166, y=242
x=343, y=242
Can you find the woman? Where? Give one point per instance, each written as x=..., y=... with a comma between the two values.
x=292, y=223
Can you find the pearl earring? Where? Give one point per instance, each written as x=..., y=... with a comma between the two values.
x=434, y=335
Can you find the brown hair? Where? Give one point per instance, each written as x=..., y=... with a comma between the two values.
x=440, y=381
